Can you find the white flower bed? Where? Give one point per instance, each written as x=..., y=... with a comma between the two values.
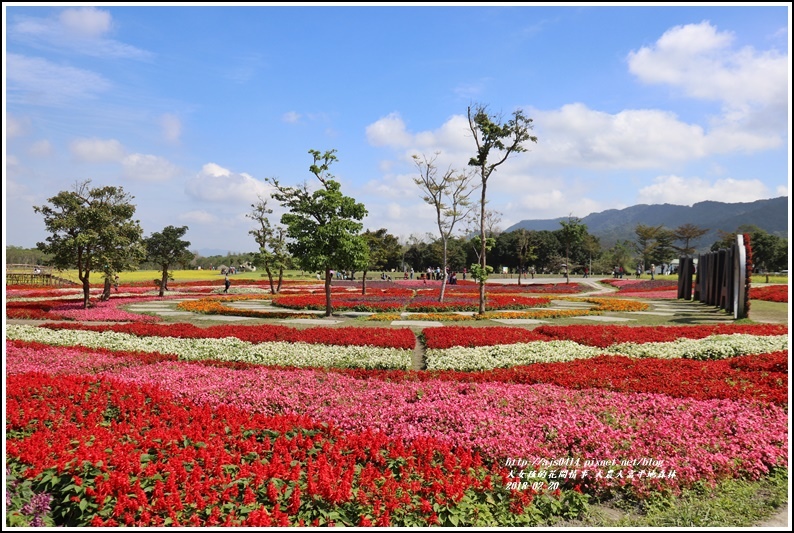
x=507, y=355
x=714, y=347
x=226, y=349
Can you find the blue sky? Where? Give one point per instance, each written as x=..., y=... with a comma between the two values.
x=190, y=108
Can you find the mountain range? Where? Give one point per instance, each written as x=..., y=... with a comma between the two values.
x=613, y=225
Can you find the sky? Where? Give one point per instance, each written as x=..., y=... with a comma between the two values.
x=191, y=108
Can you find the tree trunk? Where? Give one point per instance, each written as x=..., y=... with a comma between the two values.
x=86, y=291
x=164, y=281
x=482, y=247
x=106, y=290
x=443, y=273
x=270, y=278
x=364, y=283
x=520, y=271
x=280, y=279
x=328, y=307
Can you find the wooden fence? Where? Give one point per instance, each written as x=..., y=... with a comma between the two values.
x=35, y=275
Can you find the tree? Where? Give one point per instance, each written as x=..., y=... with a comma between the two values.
x=688, y=233
x=272, y=243
x=646, y=244
x=495, y=142
x=384, y=250
x=546, y=244
x=571, y=234
x=92, y=229
x=770, y=252
x=620, y=253
x=166, y=249
x=592, y=247
x=664, y=252
x=525, y=252
x=488, y=219
x=449, y=196
x=322, y=225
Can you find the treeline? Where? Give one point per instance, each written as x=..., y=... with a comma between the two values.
x=519, y=249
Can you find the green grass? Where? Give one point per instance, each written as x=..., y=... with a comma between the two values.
x=732, y=503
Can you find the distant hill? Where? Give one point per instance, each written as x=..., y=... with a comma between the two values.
x=618, y=224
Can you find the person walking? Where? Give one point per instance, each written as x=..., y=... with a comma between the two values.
x=227, y=283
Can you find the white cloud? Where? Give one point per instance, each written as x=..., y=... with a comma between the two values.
x=172, y=127
x=199, y=217
x=244, y=68
x=15, y=127
x=217, y=184
x=390, y=186
x=80, y=30
x=41, y=148
x=291, y=117
x=17, y=192
x=577, y=136
x=38, y=81
x=12, y=164
x=402, y=218
x=97, y=150
x=687, y=191
x=150, y=168
x=548, y=204
x=469, y=91
x=700, y=61
x=388, y=131
x=86, y=21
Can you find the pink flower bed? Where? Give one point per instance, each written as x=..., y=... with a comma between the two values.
x=701, y=440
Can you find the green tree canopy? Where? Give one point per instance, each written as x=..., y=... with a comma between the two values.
x=385, y=252
x=92, y=230
x=323, y=225
x=495, y=142
x=571, y=234
x=166, y=249
x=646, y=242
x=688, y=234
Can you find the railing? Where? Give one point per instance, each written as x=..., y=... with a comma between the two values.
x=34, y=275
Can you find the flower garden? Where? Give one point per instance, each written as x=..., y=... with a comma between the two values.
x=114, y=418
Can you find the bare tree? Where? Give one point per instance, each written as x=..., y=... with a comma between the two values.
x=273, y=255
x=449, y=195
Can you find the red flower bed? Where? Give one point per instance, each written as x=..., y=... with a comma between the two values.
x=425, y=301
x=31, y=311
x=772, y=293
x=590, y=335
x=469, y=336
x=342, y=302
x=534, y=288
x=762, y=377
x=346, y=336
x=113, y=454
